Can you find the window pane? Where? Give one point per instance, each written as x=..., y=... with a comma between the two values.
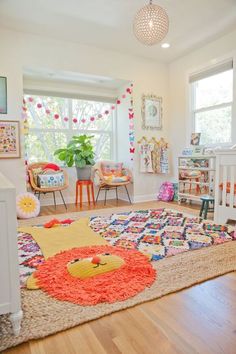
x=40, y=146
x=53, y=120
x=87, y=114
x=214, y=125
x=102, y=146
x=214, y=90
x=47, y=112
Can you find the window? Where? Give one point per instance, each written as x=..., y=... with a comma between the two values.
x=211, y=104
x=54, y=120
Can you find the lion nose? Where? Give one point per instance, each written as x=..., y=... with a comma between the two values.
x=96, y=260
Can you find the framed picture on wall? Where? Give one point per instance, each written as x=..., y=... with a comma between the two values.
x=9, y=139
x=151, y=112
x=3, y=95
x=195, y=139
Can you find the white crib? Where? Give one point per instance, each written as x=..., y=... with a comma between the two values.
x=225, y=186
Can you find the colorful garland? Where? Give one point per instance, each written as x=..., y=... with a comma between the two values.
x=131, y=128
x=56, y=116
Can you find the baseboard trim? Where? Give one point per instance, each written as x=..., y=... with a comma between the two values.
x=144, y=198
x=122, y=196
x=68, y=200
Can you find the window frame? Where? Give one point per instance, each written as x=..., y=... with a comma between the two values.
x=194, y=111
x=70, y=132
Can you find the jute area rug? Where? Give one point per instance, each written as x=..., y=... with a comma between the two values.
x=44, y=316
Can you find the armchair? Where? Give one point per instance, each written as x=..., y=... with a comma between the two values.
x=109, y=175
x=39, y=190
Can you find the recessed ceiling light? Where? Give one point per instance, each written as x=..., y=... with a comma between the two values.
x=165, y=45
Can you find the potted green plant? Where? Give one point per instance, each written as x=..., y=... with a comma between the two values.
x=79, y=153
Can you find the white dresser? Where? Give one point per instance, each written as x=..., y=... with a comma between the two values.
x=9, y=268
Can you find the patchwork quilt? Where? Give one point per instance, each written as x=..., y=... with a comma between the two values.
x=157, y=233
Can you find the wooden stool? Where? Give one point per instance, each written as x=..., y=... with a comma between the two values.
x=206, y=200
x=79, y=185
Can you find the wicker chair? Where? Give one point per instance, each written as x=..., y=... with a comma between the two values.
x=104, y=184
x=38, y=191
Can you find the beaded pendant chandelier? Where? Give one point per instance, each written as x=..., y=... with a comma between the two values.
x=151, y=24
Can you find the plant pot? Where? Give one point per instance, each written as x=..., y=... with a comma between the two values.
x=84, y=173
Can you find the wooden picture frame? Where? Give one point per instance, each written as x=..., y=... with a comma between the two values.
x=3, y=95
x=152, y=112
x=10, y=139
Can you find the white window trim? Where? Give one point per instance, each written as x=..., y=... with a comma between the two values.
x=231, y=104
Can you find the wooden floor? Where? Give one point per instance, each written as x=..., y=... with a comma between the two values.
x=201, y=319
x=60, y=209
x=113, y=203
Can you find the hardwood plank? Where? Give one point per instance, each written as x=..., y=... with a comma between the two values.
x=85, y=341
x=105, y=333
x=60, y=209
x=23, y=348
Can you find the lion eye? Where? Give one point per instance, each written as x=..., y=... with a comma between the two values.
x=107, y=254
x=75, y=260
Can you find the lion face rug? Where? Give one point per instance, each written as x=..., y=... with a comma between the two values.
x=91, y=275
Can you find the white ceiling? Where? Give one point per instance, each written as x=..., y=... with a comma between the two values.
x=108, y=23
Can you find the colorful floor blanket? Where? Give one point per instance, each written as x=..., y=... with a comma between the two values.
x=160, y=233
x=157, y=233
x=30, y=256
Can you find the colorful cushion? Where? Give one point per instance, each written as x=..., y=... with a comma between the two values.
x=51, y=180
x=52, y=166
x=116, y=179
x=112, y=168
x=35, y=172
x=49, y=171
x=27, y=206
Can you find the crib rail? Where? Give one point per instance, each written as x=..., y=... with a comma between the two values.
x=225, y=186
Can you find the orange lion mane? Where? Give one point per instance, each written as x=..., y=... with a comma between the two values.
x=131, y=278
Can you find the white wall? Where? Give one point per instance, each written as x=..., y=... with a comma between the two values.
x=19, y=50
x=146, y=186
x=122, y=143
x=179, y=71
x=11, y=68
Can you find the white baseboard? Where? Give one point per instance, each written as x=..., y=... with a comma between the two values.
x=47, y=201
x=122, y=196
x=144, y=198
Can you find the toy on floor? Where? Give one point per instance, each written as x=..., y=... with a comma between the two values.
x=166, y=192
x=56, y=222
x=27, y=206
